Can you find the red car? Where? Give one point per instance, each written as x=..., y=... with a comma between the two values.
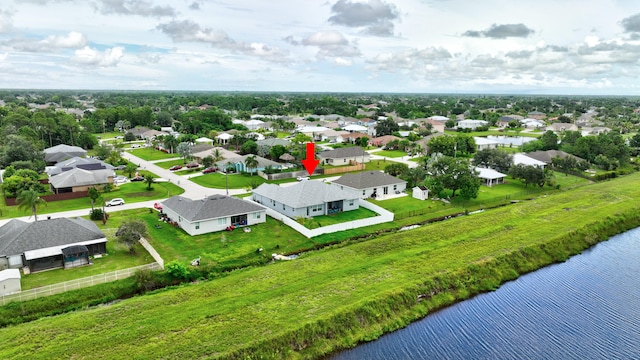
x=175, y=167
x=157, y=206
x=210, y=170
x=192, y=165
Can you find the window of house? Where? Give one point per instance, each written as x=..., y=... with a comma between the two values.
x=395, y=187
x=256, y=215
x=282, y=206
x=222, y=221
x=350, y=202
x=364, y=192
x=197, y=225
x=179, y=218
x=315, y=208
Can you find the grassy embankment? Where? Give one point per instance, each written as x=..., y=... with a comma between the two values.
x=337, y=297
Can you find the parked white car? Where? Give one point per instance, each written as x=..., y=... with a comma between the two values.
x=302, y=178
x=115, y=202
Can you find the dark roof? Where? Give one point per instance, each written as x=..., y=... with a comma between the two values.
x=18, y=236
x=212, y=207
x=367, y=179
x=346, y=152
x=546, y=156
x=62, y=152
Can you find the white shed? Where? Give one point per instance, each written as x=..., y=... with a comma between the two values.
x=421, y=192
x=9, y=281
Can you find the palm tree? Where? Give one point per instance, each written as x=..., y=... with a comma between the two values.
x=29, y=199
x=217, y=155
x=251, y=163
x=149, y=180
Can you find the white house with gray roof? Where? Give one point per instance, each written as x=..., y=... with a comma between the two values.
x=370, y=184
x=306, y=199
x=344, y=156
x=50, y=244
x=78, y=162
x=214, y=213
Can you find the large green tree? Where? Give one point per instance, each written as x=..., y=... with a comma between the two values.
x=130, y=232
x=454, y=174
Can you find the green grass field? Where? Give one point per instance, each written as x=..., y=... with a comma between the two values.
x=150, y=154
x=331, y=298
x=390, y=153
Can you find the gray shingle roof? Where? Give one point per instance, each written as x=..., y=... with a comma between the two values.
x=304, y=193
x=18, y=236
x=347, y=152
x=80, y=177
x=547, y=155
x=212, y=207
x=367, y=179
x=84, y=163
x=61, y=152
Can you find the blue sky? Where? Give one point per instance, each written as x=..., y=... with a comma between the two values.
x=408, y=46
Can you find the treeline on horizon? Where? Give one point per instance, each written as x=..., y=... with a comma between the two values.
x=32, y=120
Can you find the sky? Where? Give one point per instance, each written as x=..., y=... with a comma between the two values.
x=566, y=47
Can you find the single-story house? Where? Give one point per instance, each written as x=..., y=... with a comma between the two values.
x=351, y=137
x=224, y=138
x=77, y=162
x=138, y=131
x=483, y=143
x=204, y=140
x=471, y=124
x=270, y=142
x=490, y=177
x=226, y=154
x=383, y=140
x=77, y=179
x=548, y=155
x=50, y=244
x=239, y=164
x=559, y=127
x=333, y=136
x=10, y=281
x=532, y=123
x=62, y=152
x=312, y=131
x=436, y=126
x=355, y=128
x=523, y=159
x=306, y=199
x=370, y=184
x=420, y=192
x=537, y=115
x=152, y=134
x=596, y=130
x=344, y=156
x=253, y=124
x=439, y=118
x=213, y=213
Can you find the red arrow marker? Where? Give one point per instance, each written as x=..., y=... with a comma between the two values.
x=310, y=163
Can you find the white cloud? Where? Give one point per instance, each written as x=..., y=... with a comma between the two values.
x=73, y=40
x=93, y=57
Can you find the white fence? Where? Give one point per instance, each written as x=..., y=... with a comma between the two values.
x=145, y=244
x=382, y=217
x=76, y=284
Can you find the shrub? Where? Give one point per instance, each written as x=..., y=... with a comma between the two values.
x=178, y=270
x=96, y=214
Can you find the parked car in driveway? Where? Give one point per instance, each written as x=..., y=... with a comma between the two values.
x=137, y=178
x=302, y=178
x=210, y=170
x=192, y=165
x=115, y=202
x=175, y=167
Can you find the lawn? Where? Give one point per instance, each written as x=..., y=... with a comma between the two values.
x=218, y=180
x=238, y=247
x=378, y=164
x=340, y=296
x=390, y=153
x=326, y=220
x=150, y=154
x=131, y=192
x=169, y=163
